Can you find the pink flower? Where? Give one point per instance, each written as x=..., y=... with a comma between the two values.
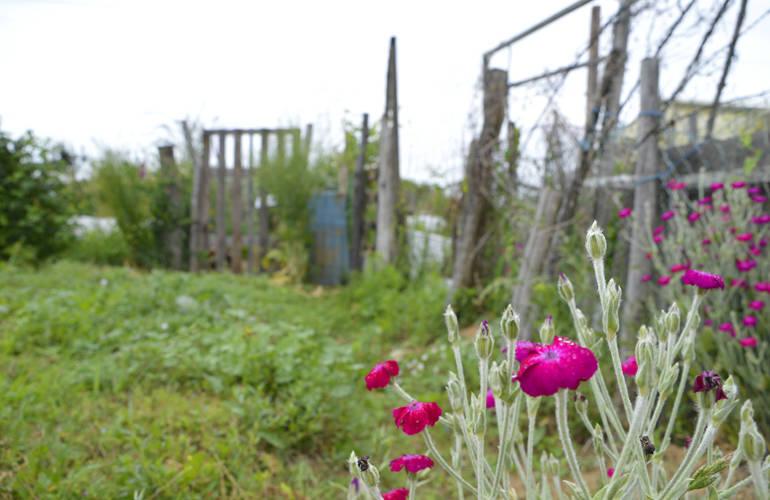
x=693, y=217
x=490, y=399
x=749, y=321
x=762, y=286
x=761, y=219
x=629, y=366
x=759, y=198
x=727, y=327
x=413, y=463
x=708, y=322
x=658, y=238
x=745, y=265
x=664, y=280
x=687, y=441
x=679, y=267
x=674, y=186
x=657, y=230
x=648, y=255
x=667, y=215
x=749, y=342
x=705, y=242
x=703, y=280
x=561, y=365
x=725, y=208
x=625, y=212
x=755, y=250
x=757, y=305
x=398, y=494
x=744, y=236
x=763, y=241
x=738, y=184
x=523, y=348
x=704, y=201
x=738, y=282
x=646, y=278
x=707, y=381
x=732, y=230
x=380, y=375
x=610, y=472
x=415, y=416
x=753, y=190
x=670, y=184
x=717, y=186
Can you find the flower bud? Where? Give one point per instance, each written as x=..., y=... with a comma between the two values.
x=477, y=410
x=564, y=285
x=509, y=324
x=673, y=319
x=661, y=325
x=546, y=331
x=753, y=444
x=555, y=466
x=730, y=388
x=581, y=403
x=484, y=341
x=453, y=329
x=371, y=476
x=597, y=438
x=668, y=379
x=496, y=379
x=723, y=407
x=510, y=389
x=610, y=317
x=747, y=412
x=455, y=392
x=596, y=244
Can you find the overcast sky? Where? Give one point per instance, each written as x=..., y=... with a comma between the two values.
x=96, y=73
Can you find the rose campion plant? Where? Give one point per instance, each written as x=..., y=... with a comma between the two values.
x=629, y=440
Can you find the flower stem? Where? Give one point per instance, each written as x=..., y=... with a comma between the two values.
x=483, y=382
x=434, y=451
x=760, y=483
x=615, y=354
x=566, y=442
x=412, y=483
x=689, y=463
x=456, y=464
x=675, y=408
x=503, y=429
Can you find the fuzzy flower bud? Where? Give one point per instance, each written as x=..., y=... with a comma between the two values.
x=509, y=324
x=668, y=378
x=453, y=329
x=596, y=244
x=477, y=410
x=661, y=325
x=754, y=444
x=610, y=318
x=455, y=392
x=496, y=378
x=565, y=289
x=484, y=342
x=747, y=412
x=554, y=465
x=597, y=438
x=547, y=331
x=581, y=403
x=673, y=319
x=723, y=407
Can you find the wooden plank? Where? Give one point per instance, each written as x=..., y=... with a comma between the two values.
x=263, y=239
x=221, y=215
x=308, y=141
x=194, y=199
x=204, y=205
x=359, y=200
x=236, y=189
x=644, y=195
x=169, y=175
x=249, y=207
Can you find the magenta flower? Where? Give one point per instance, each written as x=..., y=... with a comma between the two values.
x=745, y=265
x=610, y=472
x=727, y=327
x=738, y=184
x=759, y=198
x=561, y=365
x=629, y=366
x=397, y=494
x=761, y=219
x=749, y=321
x=704, y=201
x=667, y=215
x=380, y=375
x=693, y=217
x=738, y=282
x=523, y=348
x=413, y=463
x=687, y=441
x=648, y=255
x=717, y=186
x=679, y=267
x=725, y=208
x=744, y=236
x=749, y=342
x=675, y=186
x=415, y=416
x=646, y=278
x=708, y=322
x=705, y=242
x=490, y=399
x=703, y=280
x=707, y=381
x=658, y=238
x=757, y=305
x=657, y=230
x=755, y=250
x=625, y=212
x=732, y=230
x=670, y=184
x=763, y=241
x=762, y=286
x=753, y=190
x=664, y=280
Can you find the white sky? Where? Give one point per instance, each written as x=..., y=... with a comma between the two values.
x=113, y=73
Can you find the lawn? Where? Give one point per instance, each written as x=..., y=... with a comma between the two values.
x=116, y=383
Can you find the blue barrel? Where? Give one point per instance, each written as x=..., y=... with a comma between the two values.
x=330, y=258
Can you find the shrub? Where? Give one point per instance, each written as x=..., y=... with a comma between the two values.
x=35, y=208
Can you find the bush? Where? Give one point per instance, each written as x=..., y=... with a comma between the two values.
x=100, y=247
x=724, y=232
x=35, y=207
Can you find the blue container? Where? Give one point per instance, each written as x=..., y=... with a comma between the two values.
x=330, y=258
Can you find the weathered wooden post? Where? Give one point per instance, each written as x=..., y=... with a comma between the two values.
x=221, y=207
x=644, y=193
x=534, y=256
x=359, y=200
x=236, y=189
x=204, y=204
x=195, y=220
x=308, y=138
x=250, y=207
x=168, y=172
x=389, y=179
x=263, y=240
x=478, y=179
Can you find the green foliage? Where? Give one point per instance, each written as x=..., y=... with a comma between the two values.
x=100, y=247
x=35, y=207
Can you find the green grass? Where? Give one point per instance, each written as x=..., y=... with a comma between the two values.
x=208, y=386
